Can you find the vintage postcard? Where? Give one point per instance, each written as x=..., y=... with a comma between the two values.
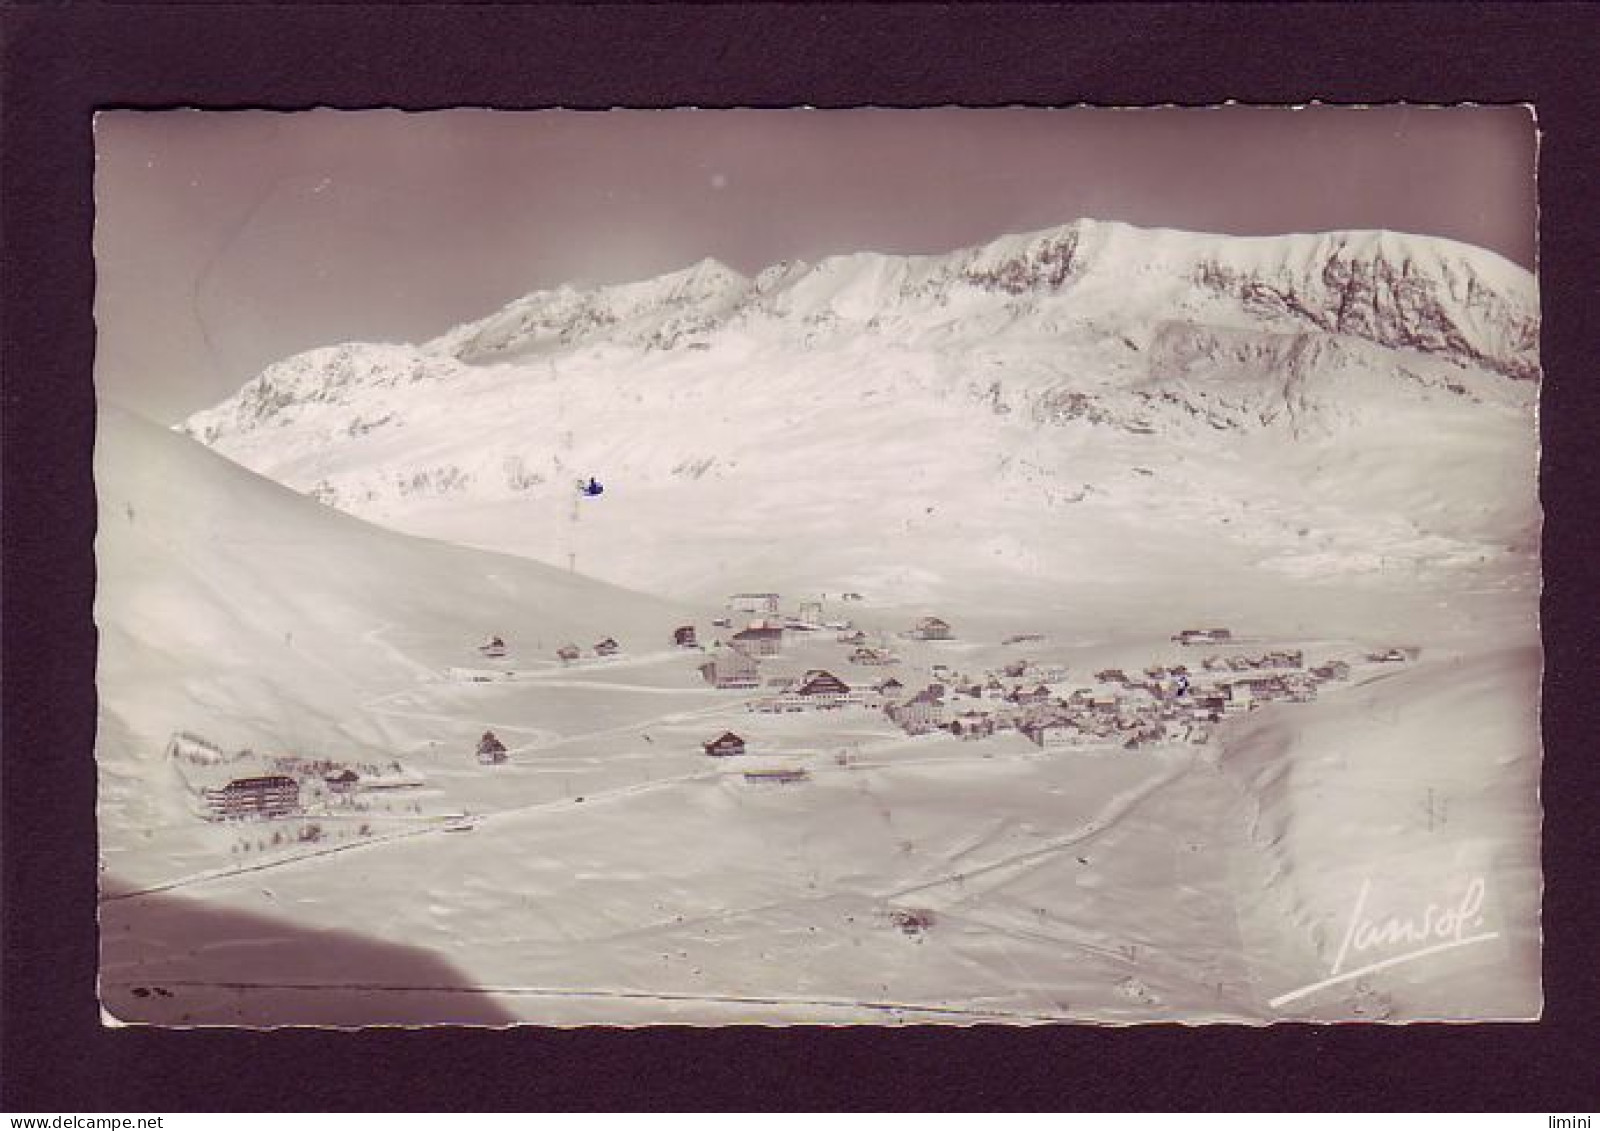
x=818, y=567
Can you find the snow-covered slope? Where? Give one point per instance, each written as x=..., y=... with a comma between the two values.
x=1413, y=791
x=1314, y=404
x=229, y=606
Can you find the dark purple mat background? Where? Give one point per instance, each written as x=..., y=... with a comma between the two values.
x=61, y=63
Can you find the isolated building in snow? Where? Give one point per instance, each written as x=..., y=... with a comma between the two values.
x=263, y=796
x=342, y=781
x=725, y=745
x=1203, y=636
x=491, y=751
x=684, y=637
x=931, y=628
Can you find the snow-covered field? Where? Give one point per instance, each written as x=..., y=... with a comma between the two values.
x=1098, y=436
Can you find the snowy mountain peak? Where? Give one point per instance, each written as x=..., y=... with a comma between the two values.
x=1043, y=364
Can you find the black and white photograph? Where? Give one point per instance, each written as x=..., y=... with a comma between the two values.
x=818, y=567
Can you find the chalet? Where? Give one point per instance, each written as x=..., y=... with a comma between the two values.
x=1015, y=670
x=494, y=648
x=1053, y=732
x=567, y=653
x=1111, y=675
x=857, y=637
x=766, y=603
x=1023, y=638
x=491, y=751
x=872, y=656
x=931, y=628
x=920, y=714
x=972, y=725
x=1265, y=687
x=817, y=690
x=341, y=781
x=759, y=641
x=1333, y=669
x=1203, y=636
x=684, y=637
x=1294, y=659
x=1387, y=656
x=1040, y=694
x=1245, y=694
x=731, y=669
x=725, y=745
x=890, y=688
x=607, y=647
x=823, y=688
x=248, y=798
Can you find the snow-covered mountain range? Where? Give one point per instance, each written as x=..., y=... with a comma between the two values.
x=1038, y=405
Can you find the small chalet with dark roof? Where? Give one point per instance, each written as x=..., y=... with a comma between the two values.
x=684, y=637
x=726, y=745
x=491, y=751
x=823, y=686
x=342, y=781
x=931, y=628
x=607, y=647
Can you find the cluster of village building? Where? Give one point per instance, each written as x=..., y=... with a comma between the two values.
x=1161, y=704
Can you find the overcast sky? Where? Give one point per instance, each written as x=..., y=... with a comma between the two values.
x=226, y=241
